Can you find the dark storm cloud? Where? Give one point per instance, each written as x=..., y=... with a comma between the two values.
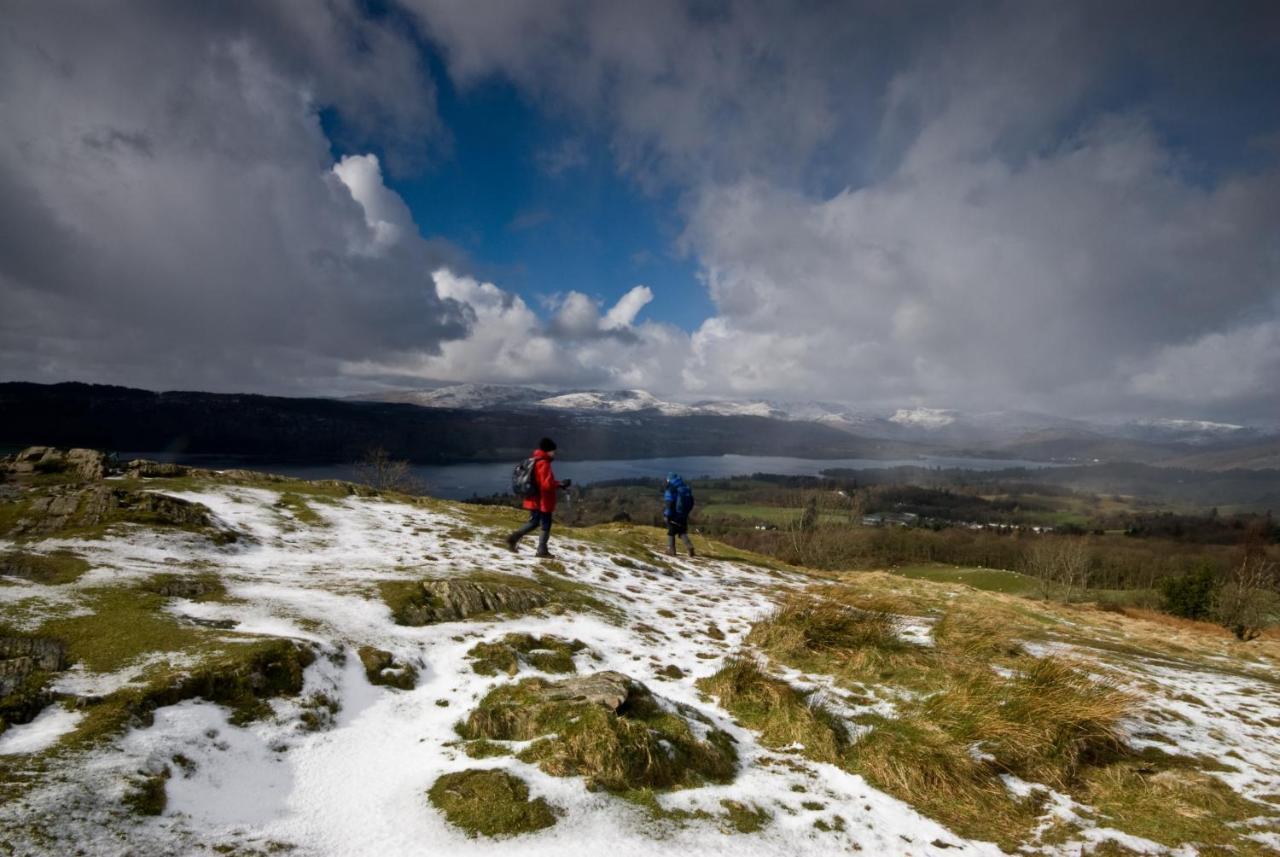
x=172, y=213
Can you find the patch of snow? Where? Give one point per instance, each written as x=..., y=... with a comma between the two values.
x=41, y=733
x=929, y=418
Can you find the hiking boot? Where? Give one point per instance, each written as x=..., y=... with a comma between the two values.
x=511, y=542
x=545, y=554
x=692, y=552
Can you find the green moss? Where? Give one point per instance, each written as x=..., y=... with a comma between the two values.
x=300, y=510
x=381, y=668
x=319, y=711
x=639, y=746
x=125, y=625
x=52, y=569
x=199, y=586
x=745, y=818
x=549, y=654
x=241, y=677
x=146, y=794
x=484, y=749
x=490, y=803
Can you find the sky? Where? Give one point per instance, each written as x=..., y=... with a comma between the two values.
x=1062, y=207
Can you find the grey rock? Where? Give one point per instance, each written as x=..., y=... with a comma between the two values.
x=608, y=689
x=21, y=656
x=453, y=600
x=145, y=468
x=59, y=509
x=85, y=464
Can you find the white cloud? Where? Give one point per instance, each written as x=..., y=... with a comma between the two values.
x=509, y=343
x=624, y=312
x=385, y=213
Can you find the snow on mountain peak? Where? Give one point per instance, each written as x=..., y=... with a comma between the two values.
x=932, y=418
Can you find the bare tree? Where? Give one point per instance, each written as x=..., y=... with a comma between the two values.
x=1249, y=600
x=380, y=471
x=1058, y=562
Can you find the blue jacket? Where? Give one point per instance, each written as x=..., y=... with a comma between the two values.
x=677, y=499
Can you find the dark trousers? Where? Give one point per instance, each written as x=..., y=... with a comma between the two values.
x=537, y=518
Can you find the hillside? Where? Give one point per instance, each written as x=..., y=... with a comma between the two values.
x=199, y=663
x=328, y=430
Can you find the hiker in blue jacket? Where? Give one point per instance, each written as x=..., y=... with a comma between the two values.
x=677, y=503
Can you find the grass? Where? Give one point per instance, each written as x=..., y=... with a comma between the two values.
x=490, y=803
x=301, y=511
x=641, y=745
x=125, y=625
x=146, y=794
x=549, y=654
x=1173, y=806
x=986, y=579
x=241, y=677
x=783, y=716
x=959, y=724
x=382, y=669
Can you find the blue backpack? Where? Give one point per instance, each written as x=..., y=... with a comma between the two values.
x=681, y=499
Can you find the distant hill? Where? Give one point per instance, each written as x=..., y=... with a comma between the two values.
x=329, y=430
x=1260, y=455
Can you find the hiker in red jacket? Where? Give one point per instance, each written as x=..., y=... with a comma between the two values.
x=541, y=505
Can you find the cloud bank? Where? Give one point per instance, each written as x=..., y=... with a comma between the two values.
x=991, y=205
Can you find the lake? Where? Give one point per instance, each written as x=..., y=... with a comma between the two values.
x=460, y=481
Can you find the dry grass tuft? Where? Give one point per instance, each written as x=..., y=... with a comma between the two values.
x=640, y=745
x=803, y=625
x=782, y=715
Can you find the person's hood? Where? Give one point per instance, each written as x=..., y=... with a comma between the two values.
x=674, y=479
x=537, y=453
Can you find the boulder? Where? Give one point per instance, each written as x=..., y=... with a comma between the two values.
x=453, y=600
x=608, y=689
x=145, y=468
x=381, y=667
x=66, y=508
x=22, y=656
x=89, y=465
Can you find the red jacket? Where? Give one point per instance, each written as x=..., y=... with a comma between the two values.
x=546, y=482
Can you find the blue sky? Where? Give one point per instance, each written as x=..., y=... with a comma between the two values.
x=538, y=204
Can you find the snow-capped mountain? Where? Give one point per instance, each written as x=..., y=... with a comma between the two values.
x=466, y=396
x=922, y=424
x=926, y=418
x=1198, y=432
x=615, y=402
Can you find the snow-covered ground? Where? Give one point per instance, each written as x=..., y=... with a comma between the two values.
x=360, y=786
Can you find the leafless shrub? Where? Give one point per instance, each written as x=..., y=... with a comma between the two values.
x=1058, y=563
x=1249, y=600
x=377, y=469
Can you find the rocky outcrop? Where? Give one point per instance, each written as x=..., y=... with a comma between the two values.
x=453, y=600
x=607, y=728
x=381, y=667
x=53, y=510
x=21, y=656
x=608, y=689
x=145, y=468
x=84, y=464
x=25, y=663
